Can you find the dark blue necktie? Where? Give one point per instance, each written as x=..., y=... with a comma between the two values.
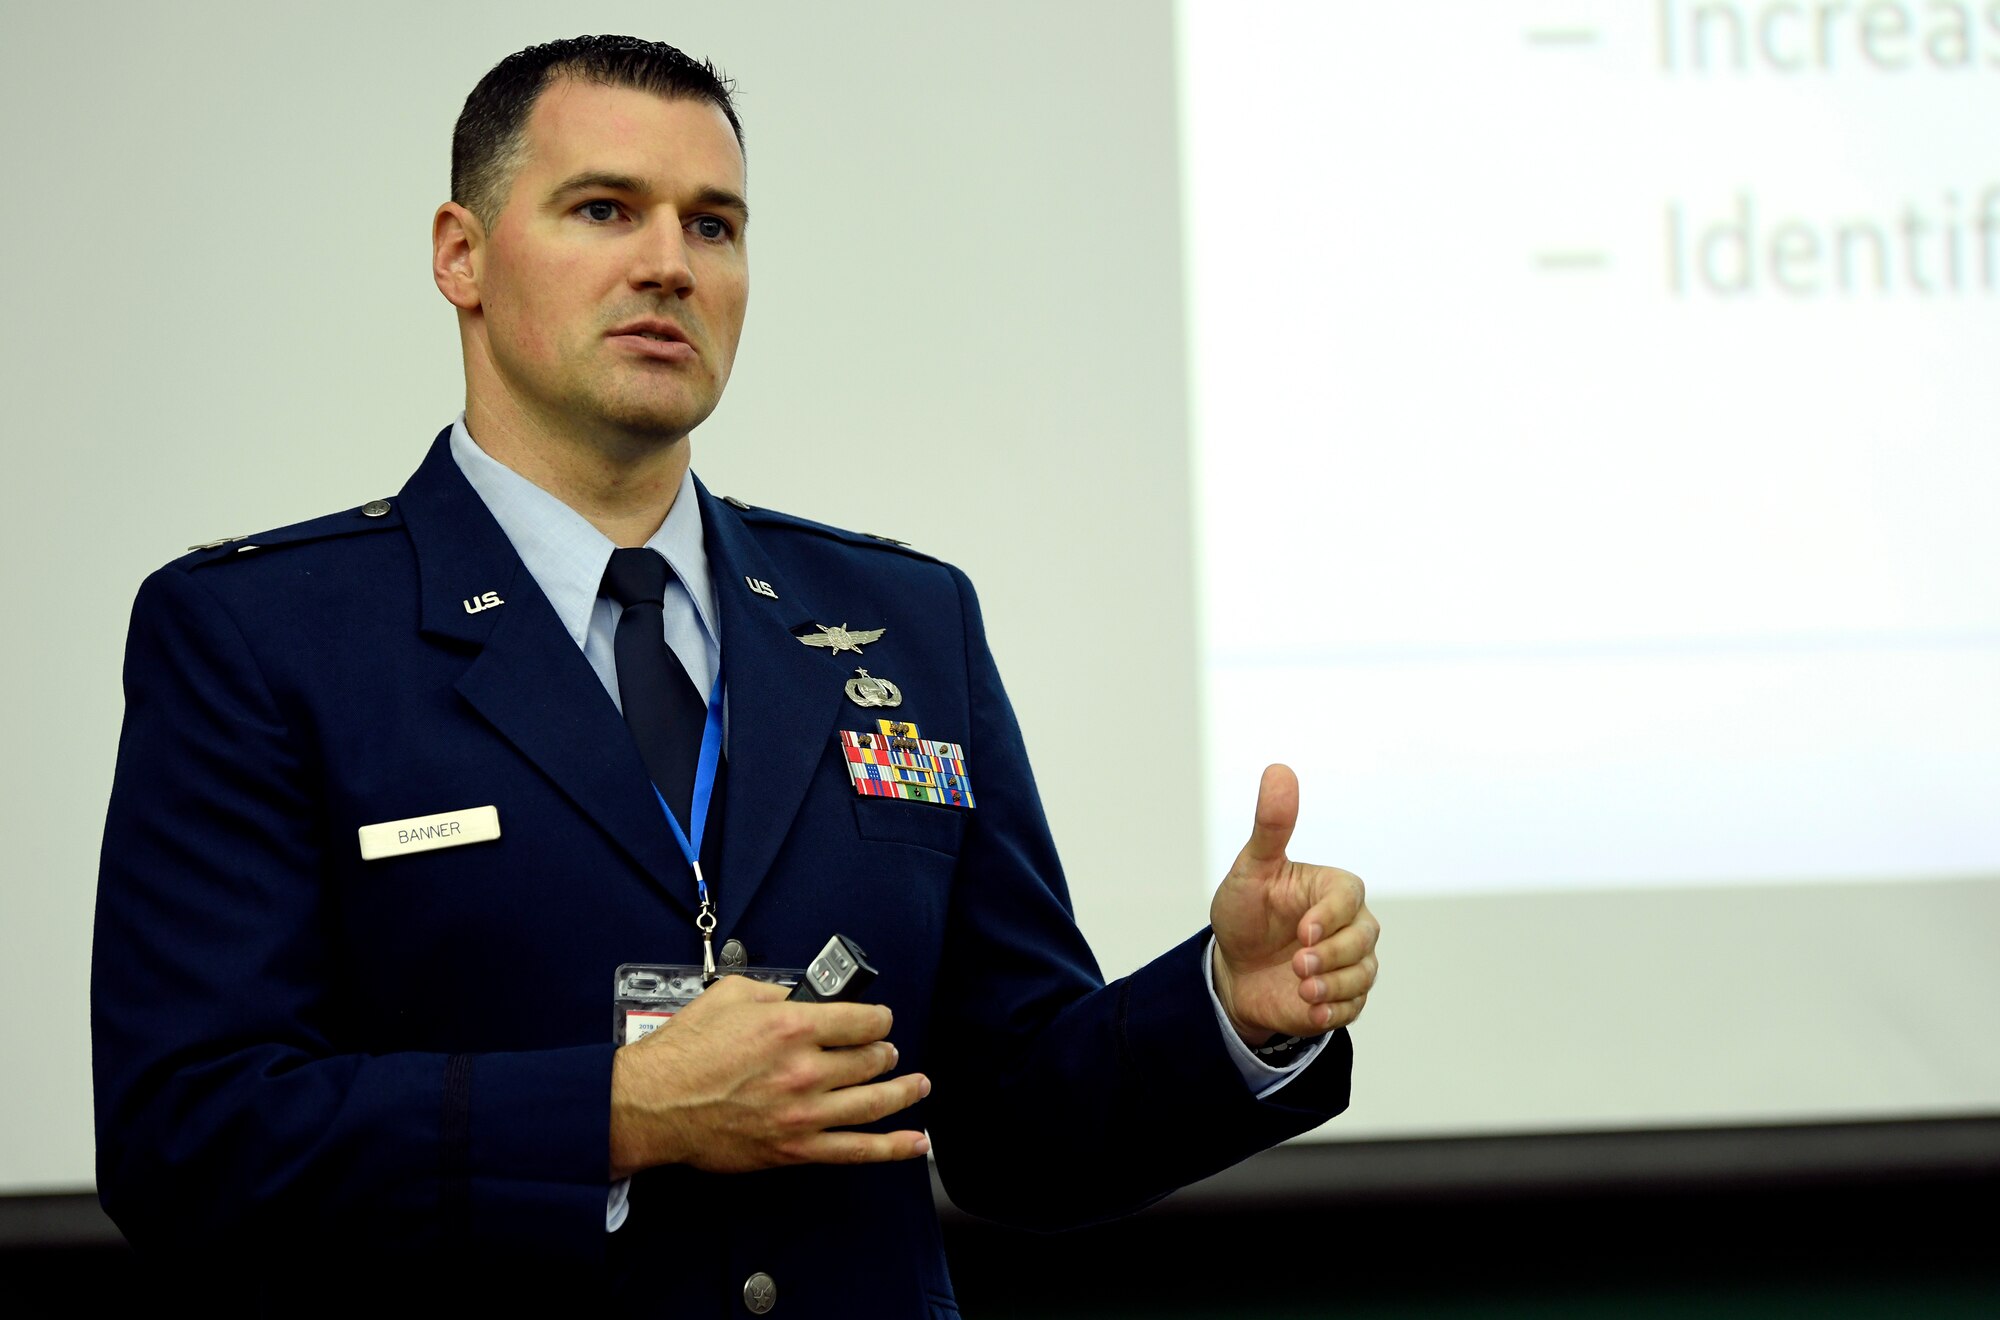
x=662, y=707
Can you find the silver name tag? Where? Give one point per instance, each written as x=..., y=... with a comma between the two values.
x=393, y=838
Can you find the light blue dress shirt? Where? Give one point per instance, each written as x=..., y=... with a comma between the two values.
x=567, y=557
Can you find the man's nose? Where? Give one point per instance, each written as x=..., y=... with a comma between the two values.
x=661, y=262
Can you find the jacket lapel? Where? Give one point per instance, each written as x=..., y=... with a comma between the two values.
x=783, y=703
x=529, y=679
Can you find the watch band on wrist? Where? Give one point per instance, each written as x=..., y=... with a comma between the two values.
x=1280, y=1050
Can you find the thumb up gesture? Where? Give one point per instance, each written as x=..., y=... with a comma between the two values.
x=1294, y=943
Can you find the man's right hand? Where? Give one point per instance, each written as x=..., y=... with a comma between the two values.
x=744, y=1079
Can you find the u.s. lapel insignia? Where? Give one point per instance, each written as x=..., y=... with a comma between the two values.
x=867, y=691
x=760, y=587
x=840, y=638
x=896, y=763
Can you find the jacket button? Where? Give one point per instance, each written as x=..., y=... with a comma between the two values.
x=733, y=955
x=760, y=1294
x=375, y=508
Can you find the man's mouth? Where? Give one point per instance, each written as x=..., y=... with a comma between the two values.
x=652, y=328
x=661, y=341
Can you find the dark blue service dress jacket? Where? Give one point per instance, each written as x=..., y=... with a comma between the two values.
x=342, y=1071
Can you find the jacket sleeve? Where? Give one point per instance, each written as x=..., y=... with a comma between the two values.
x=230, y=1106
x=1060, y=1100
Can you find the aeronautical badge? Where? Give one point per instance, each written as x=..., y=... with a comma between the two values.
x=894, y=762
x=866, y=690
x=839, y=638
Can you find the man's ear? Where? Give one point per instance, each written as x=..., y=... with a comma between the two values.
x=458, y=250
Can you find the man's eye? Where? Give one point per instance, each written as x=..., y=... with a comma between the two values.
x=711, y=227
x=600, y=212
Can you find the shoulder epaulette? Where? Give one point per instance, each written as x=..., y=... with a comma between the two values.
x=869, y=540
x=375, y=515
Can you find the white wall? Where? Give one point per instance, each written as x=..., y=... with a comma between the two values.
x=965, y=333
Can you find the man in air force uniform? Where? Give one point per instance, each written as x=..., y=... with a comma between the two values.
x=381, y=831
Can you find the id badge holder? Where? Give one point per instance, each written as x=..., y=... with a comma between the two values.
x=645, y=996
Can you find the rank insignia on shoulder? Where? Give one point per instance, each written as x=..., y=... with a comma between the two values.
x=220, y=541
x=895, y=762
x=839, y=638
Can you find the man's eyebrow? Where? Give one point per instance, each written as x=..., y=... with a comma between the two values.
x=724, y=200
x=592, y=180
x=588, y=180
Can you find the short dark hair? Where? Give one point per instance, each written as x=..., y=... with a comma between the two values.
x=491, y=138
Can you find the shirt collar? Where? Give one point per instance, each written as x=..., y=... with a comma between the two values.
x=568, y=556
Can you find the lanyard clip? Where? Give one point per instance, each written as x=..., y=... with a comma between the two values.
x=704, y=921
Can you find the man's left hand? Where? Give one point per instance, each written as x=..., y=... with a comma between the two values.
x=1294, y=943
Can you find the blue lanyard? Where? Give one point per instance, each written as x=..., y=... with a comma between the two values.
x=690, y=839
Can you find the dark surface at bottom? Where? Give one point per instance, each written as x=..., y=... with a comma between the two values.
x=1837, y=1221
x=1906, y=1251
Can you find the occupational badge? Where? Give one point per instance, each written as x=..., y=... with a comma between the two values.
x=839, y=638
x=866, y=690
x=894, y=762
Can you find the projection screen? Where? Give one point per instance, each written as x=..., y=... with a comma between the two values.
x=1593, y=415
